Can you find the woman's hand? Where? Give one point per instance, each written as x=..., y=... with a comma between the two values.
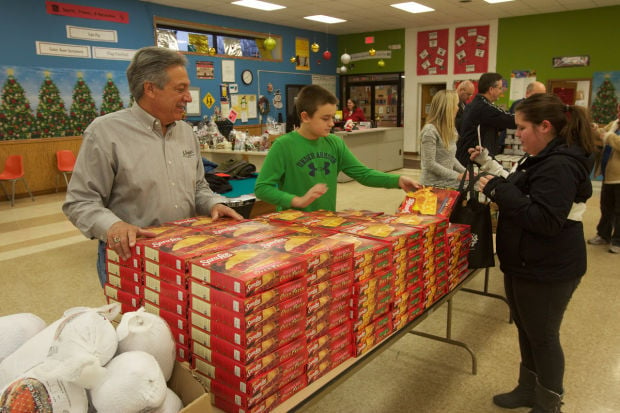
x=482, y=182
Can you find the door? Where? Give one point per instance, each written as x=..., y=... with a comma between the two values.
x=386, y=105
x=428, y=91
x=362, y=95
x=567, y=91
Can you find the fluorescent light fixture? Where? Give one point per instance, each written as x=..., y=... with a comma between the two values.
x=257, y=4
x=412, y=7
x=325, y=19
x=496, y=1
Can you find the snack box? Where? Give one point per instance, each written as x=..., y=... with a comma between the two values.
x=182, y=353
x=358, y=213
x=125, y=284
x=399, y=236
x=324, y=302
x=175, y=321
x=133, y=262
x=123, y=271
x=333, y=286
x=329, y=363
x=317, y=344
x=289, y=216
x=267, y=404
x=379, y=335
x=167, y=274
x=125, y=297
x=200, y=222
x=178, y=307
x=324, y=323
x=256, y=367
x=280, y=373
x=248, y=269
x=334, y=223
x=247, y=305
x=322, y=314
x=125, y=308
x=369, y=271
x=333, y=270
x=318, y=250
x=175, y=249
x=246, y=354
x=180, y=336
x=244, y=338
x=163, y=288
x=430, y=224
x=365, y=250
x=430, y=201
x=249, y=231
x=254, y=320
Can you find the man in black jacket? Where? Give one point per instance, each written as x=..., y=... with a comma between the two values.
x=482, y=112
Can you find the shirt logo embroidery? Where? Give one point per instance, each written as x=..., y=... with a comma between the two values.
x=188, y=153
x=313, y=168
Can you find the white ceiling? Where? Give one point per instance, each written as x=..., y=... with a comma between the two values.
x=376, y=15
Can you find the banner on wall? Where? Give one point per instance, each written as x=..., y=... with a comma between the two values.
x=471, y=49
x=433, y=52
x=85, y=12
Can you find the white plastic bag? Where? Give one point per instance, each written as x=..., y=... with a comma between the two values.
x=16, y=329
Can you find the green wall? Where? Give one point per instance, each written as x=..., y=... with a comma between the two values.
x=530, y=43
x=354, y=43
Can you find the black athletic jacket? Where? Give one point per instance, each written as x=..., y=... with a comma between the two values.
x=535, y=238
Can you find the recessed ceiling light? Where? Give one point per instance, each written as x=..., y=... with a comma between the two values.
x=496, y=1
x=257, y=4
x=412, y=7
x=325, y=19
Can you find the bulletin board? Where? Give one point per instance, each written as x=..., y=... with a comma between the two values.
x=471, y=49
x=433, y=52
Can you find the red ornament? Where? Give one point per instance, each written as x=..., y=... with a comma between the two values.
x=327, y=55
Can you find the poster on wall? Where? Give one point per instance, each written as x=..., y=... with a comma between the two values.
x=432, y=52
x=302, y=54
x=205, y=70
x=471, y=49
x=519, y=80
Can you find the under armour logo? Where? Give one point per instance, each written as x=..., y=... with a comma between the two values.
x=313, y=168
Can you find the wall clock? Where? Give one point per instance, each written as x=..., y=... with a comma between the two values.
x=247, y=76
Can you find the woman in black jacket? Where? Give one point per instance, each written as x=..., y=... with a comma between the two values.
x=540, y=240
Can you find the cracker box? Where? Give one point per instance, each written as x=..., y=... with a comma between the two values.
x=335, y=286
x=200, y=222
x=245, y=354
x=365, y=250
x=125, y=284
x=125, y=297
x=430, y=201
x=317, y=250
x=333, y=270
x=329, y=363
x=289, y=216
x=175, y=250
x=247, y=305
x=133, y=262
x=178, y=307
x=322, y=313
x=166, y=274
x=248, y=269
x=125, y=308
x=172, y=291
x=174, y=320
x=317, y=344
x=123, y=271
x=399, y=236
x=322, y=324
x=358, y=213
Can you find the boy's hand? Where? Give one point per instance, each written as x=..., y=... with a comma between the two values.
x=407, y=184
x=313, y=193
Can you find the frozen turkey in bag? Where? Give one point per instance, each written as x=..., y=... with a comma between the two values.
x=16, y=329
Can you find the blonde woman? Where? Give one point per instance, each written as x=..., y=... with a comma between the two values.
x=438, y=138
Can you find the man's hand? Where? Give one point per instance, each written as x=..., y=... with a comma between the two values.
x=221, y=210
x=313, y=193
x=121, y=237
x=407, y=184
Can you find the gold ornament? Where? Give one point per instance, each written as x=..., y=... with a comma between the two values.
x=212, y=51
x=293, y=59
x=381, y=63
x=315, y=47
x=269, y=43
x=372, y=52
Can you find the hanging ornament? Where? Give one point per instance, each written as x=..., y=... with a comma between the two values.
x=293, y=59
x=270, y=87
x=269, y=43
x=212, y=51
x=327, y=55
x=315, y=47
x=343, y=69
x=345, y=58
x=372, y=52
x=381, y=63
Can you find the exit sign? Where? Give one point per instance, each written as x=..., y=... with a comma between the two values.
x=369, y=39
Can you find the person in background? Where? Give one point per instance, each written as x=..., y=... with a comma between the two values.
x=351, y=111
x=465, y=90
x=301, y=168
x=608, y=228
x=481, y=112
x=540, y=240
x=438, y=143
x=141, y=166
x=531, y=89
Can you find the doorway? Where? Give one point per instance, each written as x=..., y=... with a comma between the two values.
x=426, y=95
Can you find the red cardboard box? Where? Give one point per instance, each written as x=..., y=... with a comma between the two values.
x=250, y=231
x=328, y=364
x=165, y=289
x=178, y=307
x=125, y=297
x=325, y=273
x=247, y=270
x=173, y=320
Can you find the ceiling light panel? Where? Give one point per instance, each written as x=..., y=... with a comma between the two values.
x=412, y=7
x=324, y=19
x=257, y=4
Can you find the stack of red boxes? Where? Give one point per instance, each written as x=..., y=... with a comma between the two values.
x=459, y=239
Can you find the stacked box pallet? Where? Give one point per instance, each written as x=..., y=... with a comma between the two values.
x=459, y=238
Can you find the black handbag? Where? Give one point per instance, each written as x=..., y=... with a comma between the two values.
x=469, y=210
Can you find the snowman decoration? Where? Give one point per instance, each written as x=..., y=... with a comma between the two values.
x=277, y=100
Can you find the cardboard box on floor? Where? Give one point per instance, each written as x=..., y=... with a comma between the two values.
x=194, y=396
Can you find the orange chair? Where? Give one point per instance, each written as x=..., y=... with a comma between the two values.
x=65, y=161
x=14, y=170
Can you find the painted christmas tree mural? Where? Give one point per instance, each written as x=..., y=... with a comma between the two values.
x=605, y=103
x=52, y=120
x=111, y=97
x=16, y=118
x=83, y=109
